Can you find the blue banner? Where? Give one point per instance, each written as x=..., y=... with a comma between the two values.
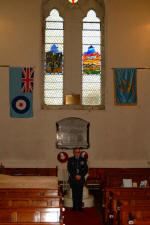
x=21, y=92
x=125, y=86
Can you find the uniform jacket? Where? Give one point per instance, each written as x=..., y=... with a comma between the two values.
x=73, y=165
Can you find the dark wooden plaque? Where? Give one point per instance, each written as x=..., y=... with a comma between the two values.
x=72, y=133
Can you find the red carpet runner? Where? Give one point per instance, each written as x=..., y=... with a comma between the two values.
x=88, y=216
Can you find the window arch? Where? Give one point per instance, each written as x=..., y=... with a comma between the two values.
x=53, y=59
x=91, y=61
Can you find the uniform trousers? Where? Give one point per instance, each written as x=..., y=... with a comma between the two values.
x=77, y=193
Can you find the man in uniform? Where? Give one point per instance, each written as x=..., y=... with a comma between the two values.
x=77, y=168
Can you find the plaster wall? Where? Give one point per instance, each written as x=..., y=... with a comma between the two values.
x=119, y=136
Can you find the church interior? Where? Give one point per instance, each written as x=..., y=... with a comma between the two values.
x=33, y=165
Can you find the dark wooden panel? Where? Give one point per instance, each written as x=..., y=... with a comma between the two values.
x=31, y=171
x=28, y=192
x=11, y=202
x=131, y=200
x=41, y=223
x=28, y=215
x=112, y=177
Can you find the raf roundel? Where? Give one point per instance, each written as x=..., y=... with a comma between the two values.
x=21, y=104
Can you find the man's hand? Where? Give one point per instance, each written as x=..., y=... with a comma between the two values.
x=78, y=177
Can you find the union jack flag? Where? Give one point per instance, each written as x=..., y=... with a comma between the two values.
x=27, y=80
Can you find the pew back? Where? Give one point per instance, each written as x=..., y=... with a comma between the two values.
x=135, y=200
x=30, y=205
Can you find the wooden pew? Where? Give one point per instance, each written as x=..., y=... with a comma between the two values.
x=141, y=222
x=128, y=197
x=114, y=177
x=29, y=202
x=53, y=223
x=31, y=215
x=130, y=219
x=135, y=200
x=26, y=206
x=29, y=198
x=28, y=192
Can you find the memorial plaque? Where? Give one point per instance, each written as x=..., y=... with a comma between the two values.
x=72, y=133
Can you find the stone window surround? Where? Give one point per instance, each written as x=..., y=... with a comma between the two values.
x=84, y=6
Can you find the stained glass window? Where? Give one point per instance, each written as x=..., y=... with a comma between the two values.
x=91, y=60
x=73, y=1
x=53, y=61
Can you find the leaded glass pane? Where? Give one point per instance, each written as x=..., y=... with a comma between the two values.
x=52, y=25
x=91, y=86
x=53, y=101
x=90, y=79
x=54, y=16
x=91, y=17
x=53, y=79
x=52, y=93
x=91, y=40
x=53, y=61
x=54, y=34
x=58, y=39
x=53, y=86
x=90, y=34
x=91, y=61
x=87, y=26
x=91, y=101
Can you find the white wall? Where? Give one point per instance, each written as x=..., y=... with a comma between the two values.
x=119, y=136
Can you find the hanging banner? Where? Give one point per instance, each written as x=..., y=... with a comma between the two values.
x=125, y=86
x=21, y=92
